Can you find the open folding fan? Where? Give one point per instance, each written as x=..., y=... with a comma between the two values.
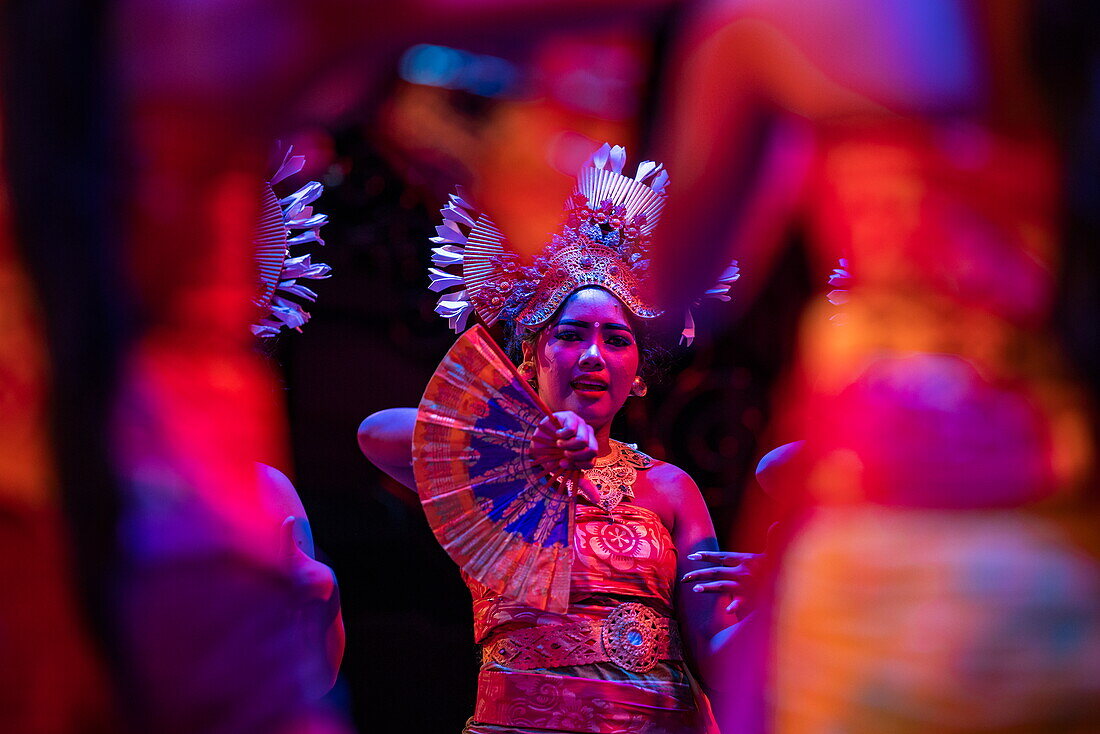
x=492, y=508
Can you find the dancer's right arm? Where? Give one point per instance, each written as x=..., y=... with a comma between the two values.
x=385, y=438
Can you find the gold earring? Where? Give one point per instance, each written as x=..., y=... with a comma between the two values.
x=638, y=389
x=526, y=370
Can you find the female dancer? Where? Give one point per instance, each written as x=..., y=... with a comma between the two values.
x=950, y=554
x=638, y=520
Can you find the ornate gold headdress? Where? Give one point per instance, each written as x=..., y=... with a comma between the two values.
x=604, y=241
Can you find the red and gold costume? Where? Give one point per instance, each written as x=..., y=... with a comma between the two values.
x=610, y=663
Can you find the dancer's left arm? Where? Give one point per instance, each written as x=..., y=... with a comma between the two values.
x=701, y=616
x=716, y=640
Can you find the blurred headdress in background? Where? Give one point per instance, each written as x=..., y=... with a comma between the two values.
x=283, y=224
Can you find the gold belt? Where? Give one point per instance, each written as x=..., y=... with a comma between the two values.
x=633, y=636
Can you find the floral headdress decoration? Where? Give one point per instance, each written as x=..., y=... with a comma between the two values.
x=283, y=224
x=604, y=241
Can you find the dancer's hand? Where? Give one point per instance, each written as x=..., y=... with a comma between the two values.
x=734, y=574
x=564, y=443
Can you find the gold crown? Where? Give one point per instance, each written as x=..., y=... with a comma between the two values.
x=604, y=241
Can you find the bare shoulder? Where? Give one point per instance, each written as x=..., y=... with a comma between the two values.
x=671, y=482
x=675, y=496
x=274, y=478
x=278, y=493
x=670, y=491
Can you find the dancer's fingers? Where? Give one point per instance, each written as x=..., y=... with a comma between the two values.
x=546, y=432
x=718, y=587
x=583, y=449
x=577, y=443
x=568, y=423
x=718, y=573
x=590, y=437
x=724, y=558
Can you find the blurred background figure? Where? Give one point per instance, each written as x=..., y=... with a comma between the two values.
x=52, y=679
x=134, y=140
x=942, y=567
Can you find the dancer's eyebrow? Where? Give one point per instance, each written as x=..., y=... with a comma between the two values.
x=588, y=325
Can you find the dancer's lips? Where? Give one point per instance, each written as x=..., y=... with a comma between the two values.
x=588, y=386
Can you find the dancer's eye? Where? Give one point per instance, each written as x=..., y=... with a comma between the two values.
x=567, y=335
x=618, y=341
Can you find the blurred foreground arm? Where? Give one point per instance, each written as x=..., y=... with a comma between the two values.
x=385, y=438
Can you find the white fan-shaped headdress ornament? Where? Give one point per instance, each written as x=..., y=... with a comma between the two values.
x=283, y=224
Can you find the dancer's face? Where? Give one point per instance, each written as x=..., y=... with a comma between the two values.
x=586, y=359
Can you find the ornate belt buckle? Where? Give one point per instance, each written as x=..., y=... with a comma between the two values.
x=630, y=637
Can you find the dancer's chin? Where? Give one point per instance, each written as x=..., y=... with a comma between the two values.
x=596, y=410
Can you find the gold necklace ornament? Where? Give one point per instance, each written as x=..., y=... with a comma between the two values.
x=613, y=475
